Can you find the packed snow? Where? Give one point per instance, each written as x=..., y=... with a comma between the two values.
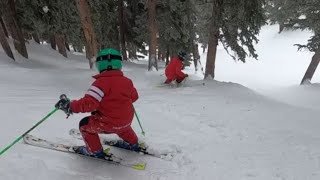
x=252, y=122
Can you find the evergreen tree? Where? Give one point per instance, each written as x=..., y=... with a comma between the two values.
x=84, y=12
x=235, y=24
x=282, y=12
x=203, y=14
x=3, y=25
x=136, y=27
x=106, y=22
x=176, y=27
x=3, y=40
x=122, y=29
x=8, y=7
x=310, y=20
x=54, y=21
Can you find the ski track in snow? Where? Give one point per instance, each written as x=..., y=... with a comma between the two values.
x=219, y=130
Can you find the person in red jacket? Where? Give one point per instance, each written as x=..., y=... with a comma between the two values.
x=173, y=71
x=109, y=99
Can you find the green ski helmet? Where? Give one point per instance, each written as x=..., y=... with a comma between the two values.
x=109, y=59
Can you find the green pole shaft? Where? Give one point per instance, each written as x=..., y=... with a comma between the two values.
x=20, y=137
x=142, y=131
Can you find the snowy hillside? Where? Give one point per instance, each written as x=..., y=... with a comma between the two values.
x=215, y=130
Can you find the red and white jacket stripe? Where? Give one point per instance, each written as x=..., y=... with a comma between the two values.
x=111, y=95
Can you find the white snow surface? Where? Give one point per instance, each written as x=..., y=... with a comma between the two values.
x=253, y=123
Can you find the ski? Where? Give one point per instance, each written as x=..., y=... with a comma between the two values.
x=75, y=133
x=110, y=158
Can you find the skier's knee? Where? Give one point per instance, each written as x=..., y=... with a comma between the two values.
x=84, y=121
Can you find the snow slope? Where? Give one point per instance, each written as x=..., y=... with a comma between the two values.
x=279, y=63
x=219, y=131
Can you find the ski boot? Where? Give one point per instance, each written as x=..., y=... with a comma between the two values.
x=84, y=151
x=128, y=146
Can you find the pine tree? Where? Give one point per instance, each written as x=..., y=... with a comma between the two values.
x=26, y=15
x=310, y=19
x=191, y=14
x=105, y=20
x=3, y=25
x=11, y=20
x=4, y=42
x=235, y=24
x=176, y=27
x=135, y=21
x=87, y=26
x=122, y=29
x=202, y=15
x=60, y=39
x=137, y=26
x=282, y=12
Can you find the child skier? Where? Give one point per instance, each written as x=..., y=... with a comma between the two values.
x=109, y=99
x=174, y=69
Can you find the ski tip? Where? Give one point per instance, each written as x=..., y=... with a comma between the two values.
x=141, y=166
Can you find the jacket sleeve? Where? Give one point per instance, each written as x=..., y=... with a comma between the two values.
x=91, y=100
x=179, y=72
x=134, y=94
x=85, y=104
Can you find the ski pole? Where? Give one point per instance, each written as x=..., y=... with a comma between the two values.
x=20, y=137
x=142, y=131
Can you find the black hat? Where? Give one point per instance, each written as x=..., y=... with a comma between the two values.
x=183, y=55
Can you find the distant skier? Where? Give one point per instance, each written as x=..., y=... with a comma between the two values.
x=173, y=71
x=109, y=99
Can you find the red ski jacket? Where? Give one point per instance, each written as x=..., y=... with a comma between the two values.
x=111, y=95
x=174, y=69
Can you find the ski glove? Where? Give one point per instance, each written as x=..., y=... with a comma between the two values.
x=64, y=105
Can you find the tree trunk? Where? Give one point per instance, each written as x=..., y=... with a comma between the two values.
x=53, y=42
x=211, y=55
x=3, y=26
x=204, y=49
x=26, y=35
x=66, y=43
x=132, y=51
x=61, y=44
x=10, y=16
x=4, y=43
x=192, y=34
x=80, y=49
x=213, y=41
x=281, y=27
x=195, y=51
x=122, y=33
x=167, y=56
x=87, y=26
x=196, y=56
x=36, y=38
x=153, y=35
x=88, y=51
x=160, y=55
x=312, y=67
